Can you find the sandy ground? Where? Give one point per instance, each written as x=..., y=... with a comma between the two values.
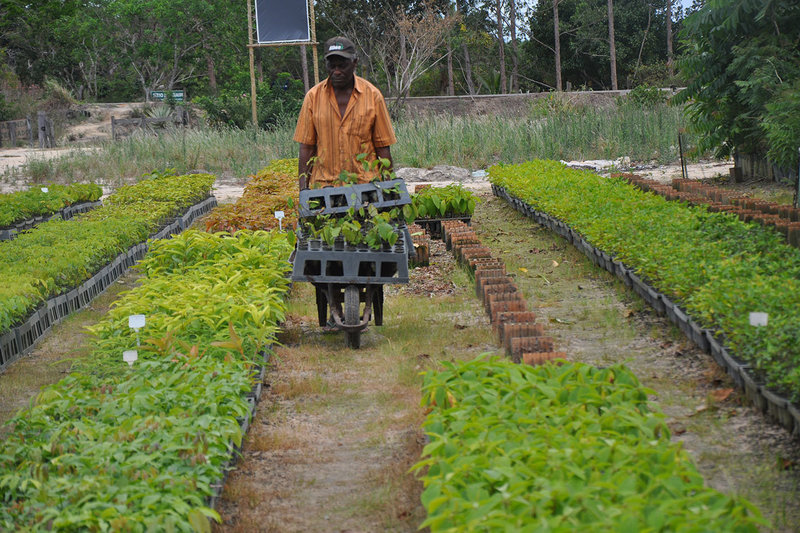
x=96, y=128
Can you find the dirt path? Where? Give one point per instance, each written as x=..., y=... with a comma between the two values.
x=332, y=442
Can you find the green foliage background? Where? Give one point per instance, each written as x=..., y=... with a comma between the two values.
x=743, y=63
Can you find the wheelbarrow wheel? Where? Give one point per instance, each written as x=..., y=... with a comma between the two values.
x=352, y=302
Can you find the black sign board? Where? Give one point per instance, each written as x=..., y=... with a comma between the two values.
x=282, y=21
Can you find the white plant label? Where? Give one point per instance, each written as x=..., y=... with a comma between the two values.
x=136, y=322
x=45, y=189
x=758, y=319
x=130, y=356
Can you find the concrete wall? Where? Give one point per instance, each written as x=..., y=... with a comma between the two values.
x=498, y=104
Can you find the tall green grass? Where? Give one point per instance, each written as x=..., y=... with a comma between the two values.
x=580, y=133
x=554, y=132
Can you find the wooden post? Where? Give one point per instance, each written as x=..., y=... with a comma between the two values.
x=252, y=62
x=1, y=133
x=41, y=120
x=314, y=56
x=51, y=140
x=29, y=124
x=12, y=132
x=113, y=129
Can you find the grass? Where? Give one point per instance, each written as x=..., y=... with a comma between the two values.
x=469, y=142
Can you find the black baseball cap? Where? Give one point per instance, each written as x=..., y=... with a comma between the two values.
x=340, y=46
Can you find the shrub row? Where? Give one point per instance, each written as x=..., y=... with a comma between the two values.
x=559, y=448
x=274, y=188
x=716, y=266
x=59, y=255
x=21, y=206
x=138, y=449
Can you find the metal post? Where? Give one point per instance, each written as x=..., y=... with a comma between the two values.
x=683, y=163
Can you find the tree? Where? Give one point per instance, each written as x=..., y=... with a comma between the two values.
x=411, y=48
x=670, y=58
x=501, y=45
x=743, y=67
x=557, y=47
x=612, y=46
x=512, y=24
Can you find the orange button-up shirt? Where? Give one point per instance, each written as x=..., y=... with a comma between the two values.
x=365, y=126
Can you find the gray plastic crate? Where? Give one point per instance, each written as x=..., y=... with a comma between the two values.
x=316, y=262
x=337, y=200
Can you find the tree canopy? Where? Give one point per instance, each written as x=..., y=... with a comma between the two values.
x=743, y=70
x=117, y=50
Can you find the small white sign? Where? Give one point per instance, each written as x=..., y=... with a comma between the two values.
x=279, y=215
x=136, y=322
x=758, y=319
x=130, y=356
x=45, y=189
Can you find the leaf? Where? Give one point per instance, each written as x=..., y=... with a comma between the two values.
x=720, y=395
x=523, y=270
x=199, y=521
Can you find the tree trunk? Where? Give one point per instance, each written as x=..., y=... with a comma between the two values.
x=212, y=75
x=612, y=45
x=670, y=65
x=304, y=64
x=451, y=91
x=501, y=42
x=514, y=55
x=468, y=70
x=557, y=32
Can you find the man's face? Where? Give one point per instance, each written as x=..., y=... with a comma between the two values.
x=340, y=70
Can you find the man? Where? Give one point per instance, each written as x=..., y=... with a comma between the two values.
x=342, y=117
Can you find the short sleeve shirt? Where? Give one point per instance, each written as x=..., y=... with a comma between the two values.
x=339, y=140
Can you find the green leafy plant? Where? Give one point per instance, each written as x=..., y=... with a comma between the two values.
x=441, y=202
x=137, y=449
x=21, y=206
x=59, y=255
x=559, y=447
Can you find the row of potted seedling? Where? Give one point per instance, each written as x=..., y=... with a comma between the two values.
x=784, y=218
x=272, y=190
x=421, y=242
x=522, y=338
